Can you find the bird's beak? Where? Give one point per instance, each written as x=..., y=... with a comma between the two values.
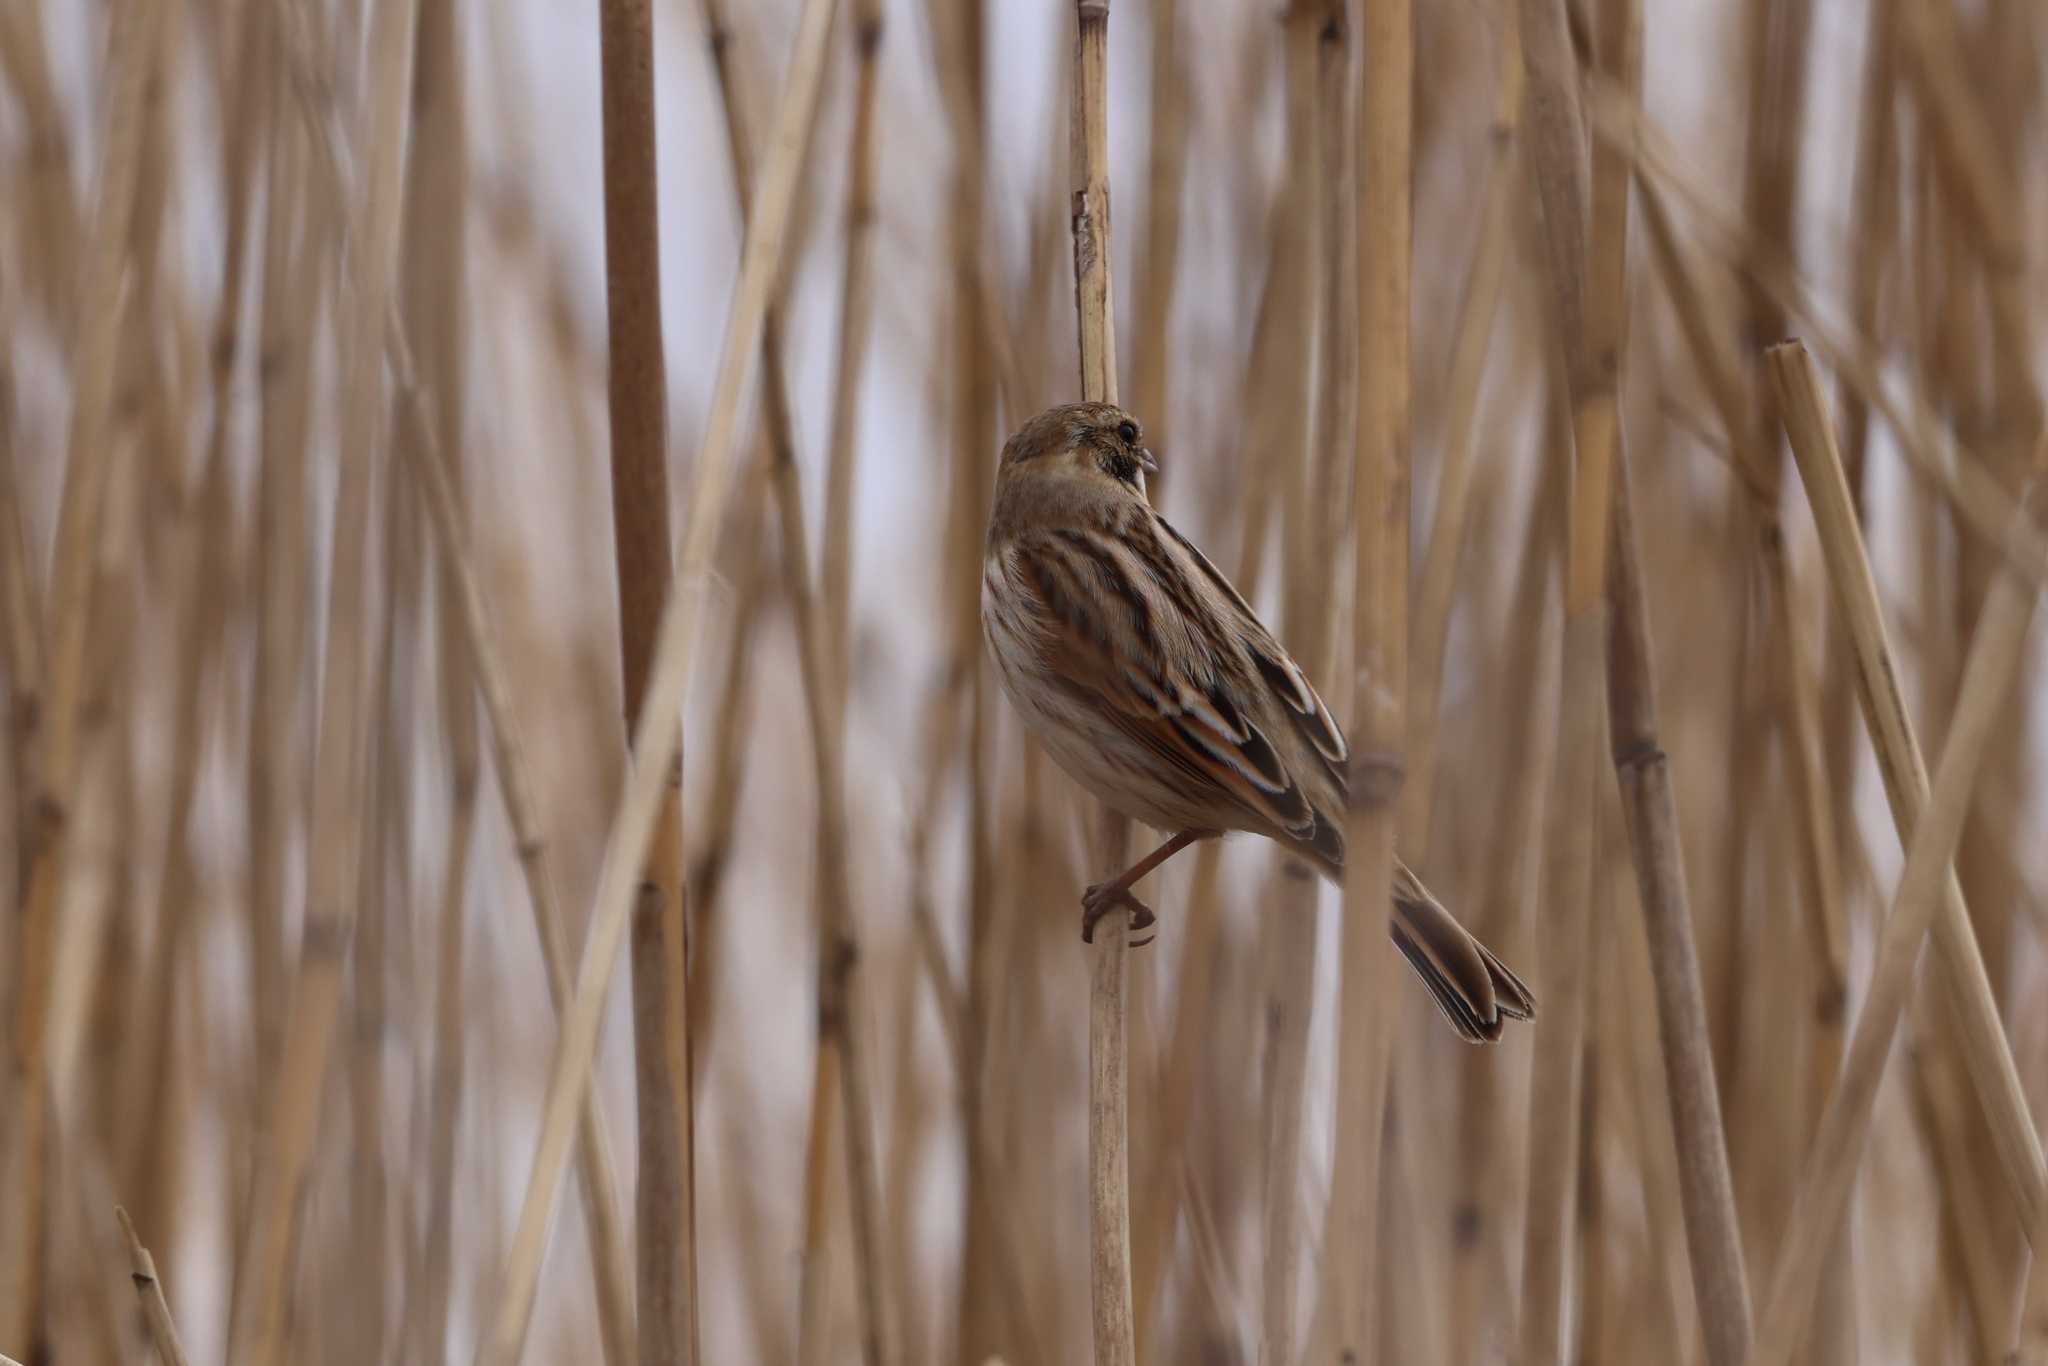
x=1146, y=462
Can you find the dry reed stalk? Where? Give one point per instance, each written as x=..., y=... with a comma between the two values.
x=1978, y=495
x=261, y=1329
x=55, y=227
x=1166, y=170
x=1590, y=361
x=1940, y=1098
x=665, y=1298
x=1109, y=1169
x=1379, y=681
x=386, y=814
x=1798, y=702
x=1974, y=1012
x=1276, y=396
x=142, y=1270
x=1485, y=1194
x=437, y=187
x=480, y=664
x=1288, y=998
x=1271, y=390
x=962, y=61
x=1641, y=766
x=840, y=1077
x=1931, y=832
x=425, y=438
x=856, y=307
x=657, y=732
x=1763, y=983
x=1457, y=479
x=131, y=57
x=283, y=626
x=734, y=709
x=19, y=599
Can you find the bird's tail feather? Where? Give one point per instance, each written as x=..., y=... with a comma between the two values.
x=1475, y=990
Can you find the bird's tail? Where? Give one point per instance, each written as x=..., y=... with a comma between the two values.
x=1475, y=990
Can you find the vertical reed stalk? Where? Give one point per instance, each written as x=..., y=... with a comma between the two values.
x=657, y=732
x=1109, y=1171
x=1458, y=478
x=1379, y=509
x=856, y=306
x=840, y=1077
x=131, y=55
x=435, y=298
x=959, y=28
x=262, y=1328
x=664, y=1270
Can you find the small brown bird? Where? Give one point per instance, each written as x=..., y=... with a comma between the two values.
x=1149, y=679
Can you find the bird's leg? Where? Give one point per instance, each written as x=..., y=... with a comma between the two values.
x=1101, y=896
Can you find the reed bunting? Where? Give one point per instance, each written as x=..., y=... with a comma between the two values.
x=1149, y=679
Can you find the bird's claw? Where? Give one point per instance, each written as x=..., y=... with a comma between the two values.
x=1101, y=898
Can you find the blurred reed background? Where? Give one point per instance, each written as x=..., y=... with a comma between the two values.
x=313, y=613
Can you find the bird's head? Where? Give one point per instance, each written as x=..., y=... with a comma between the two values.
x=1093, y=444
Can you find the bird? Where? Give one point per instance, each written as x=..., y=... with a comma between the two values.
x=1147, y=677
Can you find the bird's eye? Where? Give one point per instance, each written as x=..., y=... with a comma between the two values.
x=1128, y=430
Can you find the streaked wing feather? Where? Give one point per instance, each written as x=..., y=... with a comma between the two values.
x=1174, y=703
x=1282, y=675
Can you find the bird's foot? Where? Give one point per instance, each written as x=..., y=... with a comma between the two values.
x=1103, y=897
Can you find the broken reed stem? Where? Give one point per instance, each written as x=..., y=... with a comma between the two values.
x=665, y=1298
x=1797, y=691
x=1980, y=1033
x=1959, y=473
x=839, y=1057
x=263, y=1313
x=658, y=732
x=142, y=1270
x=1928, y=883
x=1379, y=511
x=132, y=52
x=1109, y=1170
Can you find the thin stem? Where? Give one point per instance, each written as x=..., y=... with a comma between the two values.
x=657, y=734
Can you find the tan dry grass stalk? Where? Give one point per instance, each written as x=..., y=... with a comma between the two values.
x=856, y=307
x=1109, y=1162
x=262, y=1327
x=1554, y=1114
x=840, y=1085
x=131, y=55
x=657, y=733
x=1959, y=473
x=437, y=193
x=1379, y=682
x=1458, y=477
x=1928, y=884
x=665, y=1300
x=142, y=1270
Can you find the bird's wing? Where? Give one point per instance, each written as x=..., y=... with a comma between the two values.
x=1122, y=630
x=1282, y=677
